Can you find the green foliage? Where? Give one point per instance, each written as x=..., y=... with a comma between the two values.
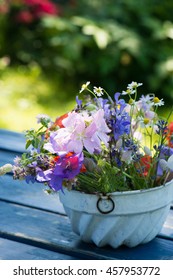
x=109, y=179
x=105, y=178
x=110, y=43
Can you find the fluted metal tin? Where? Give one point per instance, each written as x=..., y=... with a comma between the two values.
x=129, y=217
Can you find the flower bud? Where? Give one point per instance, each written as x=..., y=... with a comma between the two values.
x=147, y=151
x=5, y=169
x=119, y=144
x=163, y=164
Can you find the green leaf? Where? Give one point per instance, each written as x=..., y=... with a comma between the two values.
x=28, y=143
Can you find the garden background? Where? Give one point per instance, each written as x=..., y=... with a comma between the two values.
x=48, y=48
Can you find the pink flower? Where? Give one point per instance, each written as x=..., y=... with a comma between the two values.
x=79, y=131
x=102, y=128
x=56, y=145
x=87, y=131
x=42, y=7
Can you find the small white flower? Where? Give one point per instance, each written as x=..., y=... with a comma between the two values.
x=144, y=122
x=128, y=92
x=146, y=98
x=84, y=86
x=131, y=88
x=134, y=85
x=98, y=91
x=40, y=117
x=157, y=101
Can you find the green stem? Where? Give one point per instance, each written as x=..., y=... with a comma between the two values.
x=110, y=99
x=92, y=93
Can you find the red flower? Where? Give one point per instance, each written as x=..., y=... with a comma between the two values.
x=170, y=135
x=83, y=169
x=46, y=8
x=145, y=163
x=59, y=120
x=70, y=160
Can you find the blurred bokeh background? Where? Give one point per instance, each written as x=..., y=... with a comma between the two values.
x=48, y=48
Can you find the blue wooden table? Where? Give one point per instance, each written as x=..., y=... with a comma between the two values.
x=33, y=225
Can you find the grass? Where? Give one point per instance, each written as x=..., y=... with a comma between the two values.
x=25, y=93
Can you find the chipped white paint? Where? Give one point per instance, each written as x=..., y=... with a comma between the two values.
x=137, y=217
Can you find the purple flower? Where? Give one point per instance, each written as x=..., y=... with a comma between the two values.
x=69, y=166
x=66, y=167
x=165, y=151
x=79, y=102
x=162, y=127
x=120, y=103
x=120, y=119
x=30, y=178
x=103, y=103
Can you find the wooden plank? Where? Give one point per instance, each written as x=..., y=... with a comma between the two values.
x=7, y=156
x=167, y=229
x=53, y=232
x=12, y=141
x=28, y=194
x=12, y=250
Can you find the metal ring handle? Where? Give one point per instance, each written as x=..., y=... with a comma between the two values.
x=109, y=207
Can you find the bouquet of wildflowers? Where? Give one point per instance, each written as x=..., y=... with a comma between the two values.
x=103, y=145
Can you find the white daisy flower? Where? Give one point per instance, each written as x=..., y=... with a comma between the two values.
x=84, y=86
x=131, y=88
x=127, y=92
x=157, y=101
x=144, y=122
x=98, y=91
x=134, y=85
